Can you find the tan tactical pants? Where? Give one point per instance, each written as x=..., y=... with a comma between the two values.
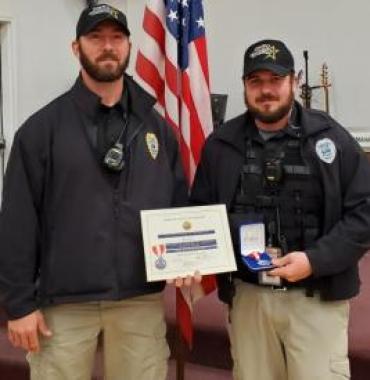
x=277, y=335
x=135, y=346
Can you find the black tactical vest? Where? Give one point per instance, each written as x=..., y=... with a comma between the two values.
x=278, y=188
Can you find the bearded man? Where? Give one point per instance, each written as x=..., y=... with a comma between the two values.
x=297, y=189
x=71, y=260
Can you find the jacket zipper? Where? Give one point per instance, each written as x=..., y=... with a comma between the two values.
x=116, y=208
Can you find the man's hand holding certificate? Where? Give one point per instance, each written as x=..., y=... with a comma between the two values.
x=181, y=241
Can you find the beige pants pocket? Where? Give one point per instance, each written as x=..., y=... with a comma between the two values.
x=340, y=369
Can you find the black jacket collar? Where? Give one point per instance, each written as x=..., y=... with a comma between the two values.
x=236, y=130
x=139, y=101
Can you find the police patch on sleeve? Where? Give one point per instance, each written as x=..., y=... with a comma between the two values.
x=152, y=144
x=326, y=150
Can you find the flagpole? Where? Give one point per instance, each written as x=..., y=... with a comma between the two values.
x=180, y=351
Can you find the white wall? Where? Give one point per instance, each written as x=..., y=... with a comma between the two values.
x=333, y=31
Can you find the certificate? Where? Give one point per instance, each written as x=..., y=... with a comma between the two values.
x=179, y=241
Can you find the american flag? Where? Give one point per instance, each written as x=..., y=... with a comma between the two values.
x=172, y=65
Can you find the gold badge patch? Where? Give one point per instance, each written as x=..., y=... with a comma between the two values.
x=152, y=144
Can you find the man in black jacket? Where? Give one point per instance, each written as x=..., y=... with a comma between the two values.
x=297, y=186
x=71, y=260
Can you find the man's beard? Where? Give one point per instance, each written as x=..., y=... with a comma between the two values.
x=103, y=74
x=270, y=117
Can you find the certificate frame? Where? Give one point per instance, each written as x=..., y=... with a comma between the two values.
x=181, y=240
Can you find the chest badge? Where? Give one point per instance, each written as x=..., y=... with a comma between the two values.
x=326, y=150
x=152, y=144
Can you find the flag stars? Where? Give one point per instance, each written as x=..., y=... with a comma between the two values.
x=200, y=22
x=172, y=15
x=185, y=3
x=184, y=21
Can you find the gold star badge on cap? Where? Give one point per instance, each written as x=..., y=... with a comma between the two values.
x=114, y=13
x=271, y=52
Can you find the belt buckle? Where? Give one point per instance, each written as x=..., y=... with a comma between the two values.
x=279, y=288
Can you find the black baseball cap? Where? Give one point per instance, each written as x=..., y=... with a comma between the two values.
x=94, y=15
x=270, y=55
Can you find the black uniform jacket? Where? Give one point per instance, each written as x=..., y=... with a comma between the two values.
x=345, y=182
x=68, y=233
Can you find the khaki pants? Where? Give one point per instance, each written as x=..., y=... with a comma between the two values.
x=278, y=335
x=135, y=346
